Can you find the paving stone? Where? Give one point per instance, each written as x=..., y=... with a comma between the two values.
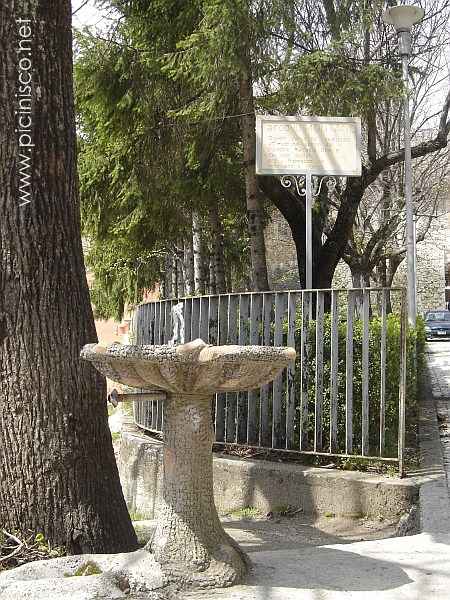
x=438, y=364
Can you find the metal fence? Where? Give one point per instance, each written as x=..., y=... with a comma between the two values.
x=345, y=394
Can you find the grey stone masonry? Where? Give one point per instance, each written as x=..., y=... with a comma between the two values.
x=430, y=267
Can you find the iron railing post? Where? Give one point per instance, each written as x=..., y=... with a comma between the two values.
x=402, y=386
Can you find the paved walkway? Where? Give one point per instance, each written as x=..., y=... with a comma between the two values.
x=438, y=358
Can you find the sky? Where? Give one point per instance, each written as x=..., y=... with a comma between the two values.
x=88, y=15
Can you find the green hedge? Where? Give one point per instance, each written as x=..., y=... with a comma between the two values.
x=415, y=361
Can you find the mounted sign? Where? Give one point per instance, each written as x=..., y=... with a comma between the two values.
x=308, y=145
x=300, y=148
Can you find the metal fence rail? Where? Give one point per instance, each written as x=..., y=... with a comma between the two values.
x=338, y=399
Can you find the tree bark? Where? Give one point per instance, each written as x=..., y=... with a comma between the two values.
x=393, y=265
x=58, y=474
x=358, y=278
x=229, y=278
x=189, y=267
x=174, y=277
x=217, y=254
x=212, y=276
x=199, y=255
x=260, y=280
x=181, y=273
x=371, y=111
x=189, y=541
x=325, y=255
x=168, y=270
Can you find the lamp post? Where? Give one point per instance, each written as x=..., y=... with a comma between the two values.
x=403, y=18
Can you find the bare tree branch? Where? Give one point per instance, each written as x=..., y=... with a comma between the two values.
x=433, y=145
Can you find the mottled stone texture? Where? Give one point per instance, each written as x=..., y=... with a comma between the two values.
x=194, y=367
x=265, y=485
x=431, y=262
x=281, y=254
x=189, y=541
x=430, y=268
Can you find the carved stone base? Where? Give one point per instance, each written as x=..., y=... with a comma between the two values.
x=189, y=542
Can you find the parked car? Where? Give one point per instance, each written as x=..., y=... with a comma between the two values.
x=437, y=324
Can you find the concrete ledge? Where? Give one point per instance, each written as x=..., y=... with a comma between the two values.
x=266, y=485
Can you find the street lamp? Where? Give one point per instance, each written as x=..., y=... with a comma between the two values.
x=403, y=18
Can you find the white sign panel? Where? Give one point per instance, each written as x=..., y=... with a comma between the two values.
x=301, y=145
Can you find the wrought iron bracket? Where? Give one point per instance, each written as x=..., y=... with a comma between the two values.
x=299, y=183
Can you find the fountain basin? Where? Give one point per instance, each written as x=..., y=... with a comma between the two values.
x=192, y=368
x=189, y=542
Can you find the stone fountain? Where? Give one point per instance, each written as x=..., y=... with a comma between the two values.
x=189, y=542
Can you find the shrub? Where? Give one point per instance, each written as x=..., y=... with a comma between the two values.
x=415, y=361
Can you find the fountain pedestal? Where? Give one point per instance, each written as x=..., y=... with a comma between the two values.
x=189, y=542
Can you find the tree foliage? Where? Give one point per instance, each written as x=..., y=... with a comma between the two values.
x=158, y=100
x=142, y=173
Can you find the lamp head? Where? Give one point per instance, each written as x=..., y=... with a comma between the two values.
x=403, y=17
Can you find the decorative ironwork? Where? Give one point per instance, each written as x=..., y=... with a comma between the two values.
x=299, y=182
x=330, y=182
x=255, y=313
x=287, y=181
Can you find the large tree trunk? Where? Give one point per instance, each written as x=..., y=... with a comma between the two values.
x=189, y=541
x=229, y=278
x=58, y=475
x=358, y=281
x=181, y=273
x=212, y=276
x=168, y=280
x=255, y=222
x=393, y=265
x=357, y=276
x=325, y=256
x=175, y=277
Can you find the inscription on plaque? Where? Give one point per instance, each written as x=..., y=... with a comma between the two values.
x=316, y=145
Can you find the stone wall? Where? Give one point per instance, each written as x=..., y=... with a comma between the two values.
x=447, y=254
x=430, y=268
x=281, y=254
x=431, y=262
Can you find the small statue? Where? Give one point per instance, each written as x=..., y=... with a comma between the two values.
x=178, y=325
